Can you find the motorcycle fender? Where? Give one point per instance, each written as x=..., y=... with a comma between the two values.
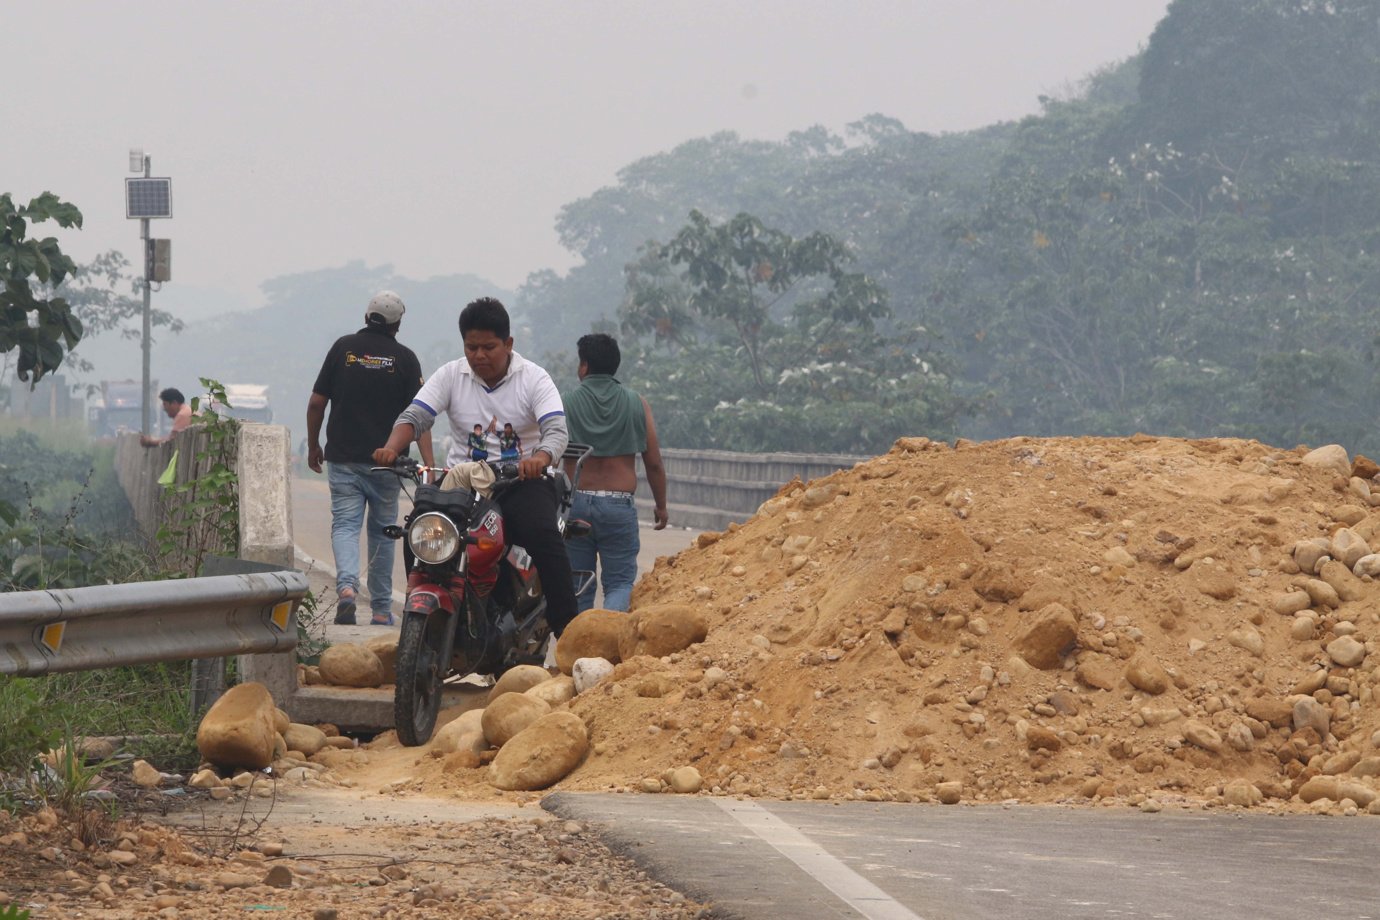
x=427, y=599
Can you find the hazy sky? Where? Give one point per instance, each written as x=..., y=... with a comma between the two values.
x=444, y=137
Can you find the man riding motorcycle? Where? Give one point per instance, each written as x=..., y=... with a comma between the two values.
x=494, y=387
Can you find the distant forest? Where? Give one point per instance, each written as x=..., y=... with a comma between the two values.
x=1185, y=246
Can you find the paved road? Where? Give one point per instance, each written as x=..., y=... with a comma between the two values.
x=764, y=860
x=311, y=526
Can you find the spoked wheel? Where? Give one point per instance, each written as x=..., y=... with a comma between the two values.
x=423, y=661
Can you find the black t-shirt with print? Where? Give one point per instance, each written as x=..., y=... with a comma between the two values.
x=369, y=378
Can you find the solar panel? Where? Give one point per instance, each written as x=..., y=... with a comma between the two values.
x=148, y=198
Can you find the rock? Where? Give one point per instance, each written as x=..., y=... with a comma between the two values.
x=455, y=734
x=230, y=880
x=1039, y=738
x=508, y=715
x=1346, y=651
x=1049, y=638
x=1203, y=736
x=1368, y=565
x=1308, y=552
x=1348, y=547
x=1303, y=628
x=280, y=720
x=1321, y=593
x=145, y=775
x=555, y=692
x=593, y=634
x=1291, y=603
x=1332, y=458
x=1118, y=555
x=1363, y=467
x=237, y=731
x=518, y=679
x=997, y=581
x=1276, y=713
x=662, y=630
x=350, y=665
x=1145, y=673
x=1098, y=671
x=818, y=496
x=1341, y=763
x=385, y=648
x=305, y=738
x=1309, y=713
x=204, y=779
x=949, y=793
x=685, y=780
x=1242, y=793
x=1339, y=576
x=1159, y=715
x=1247, y=639
x=94, y=750
x=589, y=671
x=1212, y=580
x=278, y=877
x=541, y=754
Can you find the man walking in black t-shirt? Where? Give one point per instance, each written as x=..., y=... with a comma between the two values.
x=368, y=379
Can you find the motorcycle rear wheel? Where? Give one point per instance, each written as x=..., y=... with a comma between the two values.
x=423, y=660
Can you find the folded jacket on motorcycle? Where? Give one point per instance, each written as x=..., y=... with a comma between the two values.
x=473, y=475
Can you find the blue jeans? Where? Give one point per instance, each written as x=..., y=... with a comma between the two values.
x=614, y=541
x=353, y=487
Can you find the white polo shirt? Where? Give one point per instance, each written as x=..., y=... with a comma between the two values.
x=522, y=399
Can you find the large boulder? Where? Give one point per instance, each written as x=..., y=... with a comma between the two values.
x=519, y=679
x=554, y=692
x=510, y=714
x=592, y=634
x=661, y=630
x=238, y=730
x=386, y=648
x=350, y=665
x=447, y=739
x=542, y=754
x=1050, y=637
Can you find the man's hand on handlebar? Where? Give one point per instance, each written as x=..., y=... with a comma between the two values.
x=534, y=467
x=385, y=456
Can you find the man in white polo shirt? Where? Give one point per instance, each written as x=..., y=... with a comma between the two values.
x=493, y=388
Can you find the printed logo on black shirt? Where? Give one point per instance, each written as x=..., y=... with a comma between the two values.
x=371, y=362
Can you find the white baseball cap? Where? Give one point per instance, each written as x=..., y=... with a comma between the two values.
x=386, y=305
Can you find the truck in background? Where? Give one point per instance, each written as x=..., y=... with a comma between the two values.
x=117, y=409
x=248, y=402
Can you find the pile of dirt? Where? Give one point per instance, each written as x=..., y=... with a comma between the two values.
x=1032, y=620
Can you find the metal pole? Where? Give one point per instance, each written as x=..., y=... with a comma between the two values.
x=146, y=415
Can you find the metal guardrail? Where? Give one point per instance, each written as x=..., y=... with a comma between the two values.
x=79, y=629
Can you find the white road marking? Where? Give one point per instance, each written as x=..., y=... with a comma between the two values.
x=854, y=890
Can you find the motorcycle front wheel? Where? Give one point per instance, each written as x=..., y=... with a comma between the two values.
x=423, y=659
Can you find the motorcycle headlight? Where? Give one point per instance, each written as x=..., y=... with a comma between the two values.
x=433, y=538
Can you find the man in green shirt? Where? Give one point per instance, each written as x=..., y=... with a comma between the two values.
x=617, y=423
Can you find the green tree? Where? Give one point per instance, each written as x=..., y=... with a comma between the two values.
x=749, y=339
x=105, y=296
x=38, y=326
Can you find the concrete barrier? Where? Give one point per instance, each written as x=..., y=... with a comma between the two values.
x=709, y=489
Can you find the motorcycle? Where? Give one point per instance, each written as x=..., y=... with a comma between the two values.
x=474, y=602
